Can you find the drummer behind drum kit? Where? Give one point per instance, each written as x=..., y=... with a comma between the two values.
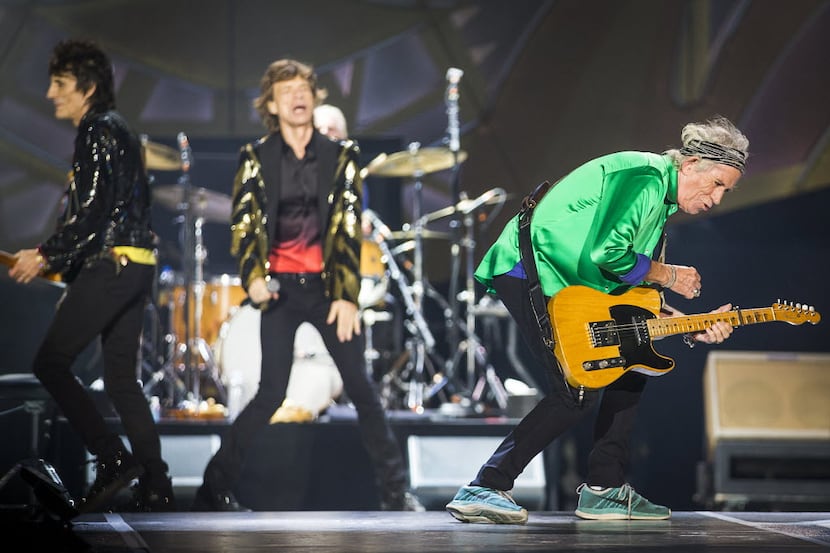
x=210, y=366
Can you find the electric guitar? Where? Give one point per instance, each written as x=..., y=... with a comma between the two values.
x=600, y=337
x=8, y=260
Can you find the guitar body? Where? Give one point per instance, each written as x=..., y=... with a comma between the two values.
x=600, y=337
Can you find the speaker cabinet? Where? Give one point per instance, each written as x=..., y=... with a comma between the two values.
x=764, y=395
x=768, y=426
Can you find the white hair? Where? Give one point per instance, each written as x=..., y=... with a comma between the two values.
x=330, y=121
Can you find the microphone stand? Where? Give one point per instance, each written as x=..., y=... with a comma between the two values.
x=188, y=267
x=453, y=78
x=194, y=344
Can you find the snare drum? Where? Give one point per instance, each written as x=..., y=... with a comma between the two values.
x=314, y=381
x=374, y=282
x=221, y=297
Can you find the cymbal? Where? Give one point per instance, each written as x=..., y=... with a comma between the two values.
x=491, y=197
x=427, y=234
x=161, y=157
x=212, y=206
x=409, y=164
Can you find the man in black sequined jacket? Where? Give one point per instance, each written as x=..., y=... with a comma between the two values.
x=103, y=250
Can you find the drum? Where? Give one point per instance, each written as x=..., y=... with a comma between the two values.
x=374, y=282
x=314, y=381
x=221, y=297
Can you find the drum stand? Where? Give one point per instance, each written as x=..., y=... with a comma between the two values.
x=476, y=354
x=193, y=355
x=475, y=351
x=370, y=355
x=420, y=347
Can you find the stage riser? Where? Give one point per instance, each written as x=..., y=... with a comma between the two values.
x=321, y=466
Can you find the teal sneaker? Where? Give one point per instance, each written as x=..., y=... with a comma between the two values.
x=479, y=504
x=617, y=504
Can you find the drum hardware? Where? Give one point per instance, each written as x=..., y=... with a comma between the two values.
x=192, y=355
x=407, y=234
x=209, y=205
x=464, y=340
x=369, y=318
x=493, y=197
x=420, y=348
x=492, y=310
x=159, y=157
x=409, y=163
x=478, y=381
x=415, y=162
x=453, y=139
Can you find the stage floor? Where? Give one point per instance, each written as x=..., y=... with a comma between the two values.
x=434, y=531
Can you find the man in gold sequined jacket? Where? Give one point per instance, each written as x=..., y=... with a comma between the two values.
x=295, y=230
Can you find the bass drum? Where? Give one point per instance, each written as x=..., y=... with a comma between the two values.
x=314, y=381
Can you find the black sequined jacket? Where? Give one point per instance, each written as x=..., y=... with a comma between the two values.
x=107, y=200
x=255, y=197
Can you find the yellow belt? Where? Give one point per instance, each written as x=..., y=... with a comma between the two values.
x=136, y=255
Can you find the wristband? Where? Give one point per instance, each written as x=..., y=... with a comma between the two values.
x=672, y=278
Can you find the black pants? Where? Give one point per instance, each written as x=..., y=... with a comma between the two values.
x=304, y=301
x=560, y=410
x=101, y=302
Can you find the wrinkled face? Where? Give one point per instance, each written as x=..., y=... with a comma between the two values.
x=699, y=191
x=70, y=103
x=292, y=102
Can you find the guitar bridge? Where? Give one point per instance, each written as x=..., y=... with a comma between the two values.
x=600, y=364
x=604, y=333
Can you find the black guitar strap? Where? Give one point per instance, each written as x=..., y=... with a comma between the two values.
x=537, y=297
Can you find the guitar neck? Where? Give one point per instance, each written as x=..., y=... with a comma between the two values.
x=668, y=326
x=7, y=259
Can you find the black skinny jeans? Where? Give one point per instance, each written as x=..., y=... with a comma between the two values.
x=303, y=300
x=560, y=410
x=101, y=302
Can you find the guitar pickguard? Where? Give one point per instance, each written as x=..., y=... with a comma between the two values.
x=634, y=338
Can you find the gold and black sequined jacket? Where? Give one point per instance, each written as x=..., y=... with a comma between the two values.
x=107, y=201
x=256, y=194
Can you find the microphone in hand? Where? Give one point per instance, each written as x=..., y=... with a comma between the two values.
x=273, y=285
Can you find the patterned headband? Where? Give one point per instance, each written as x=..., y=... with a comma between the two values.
x=717, y=153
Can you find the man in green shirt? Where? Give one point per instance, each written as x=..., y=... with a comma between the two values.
x=601, y=227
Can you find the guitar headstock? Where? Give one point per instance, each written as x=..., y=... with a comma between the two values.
x=795, y=313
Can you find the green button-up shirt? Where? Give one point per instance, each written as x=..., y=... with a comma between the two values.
x=591, y=226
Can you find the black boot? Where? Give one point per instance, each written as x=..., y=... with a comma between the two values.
x=215, y=494
x=155, y=493
x=113, y=472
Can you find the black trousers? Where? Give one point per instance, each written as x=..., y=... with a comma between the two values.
x=561, y=409
x=303, y=300
x=101, y=302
